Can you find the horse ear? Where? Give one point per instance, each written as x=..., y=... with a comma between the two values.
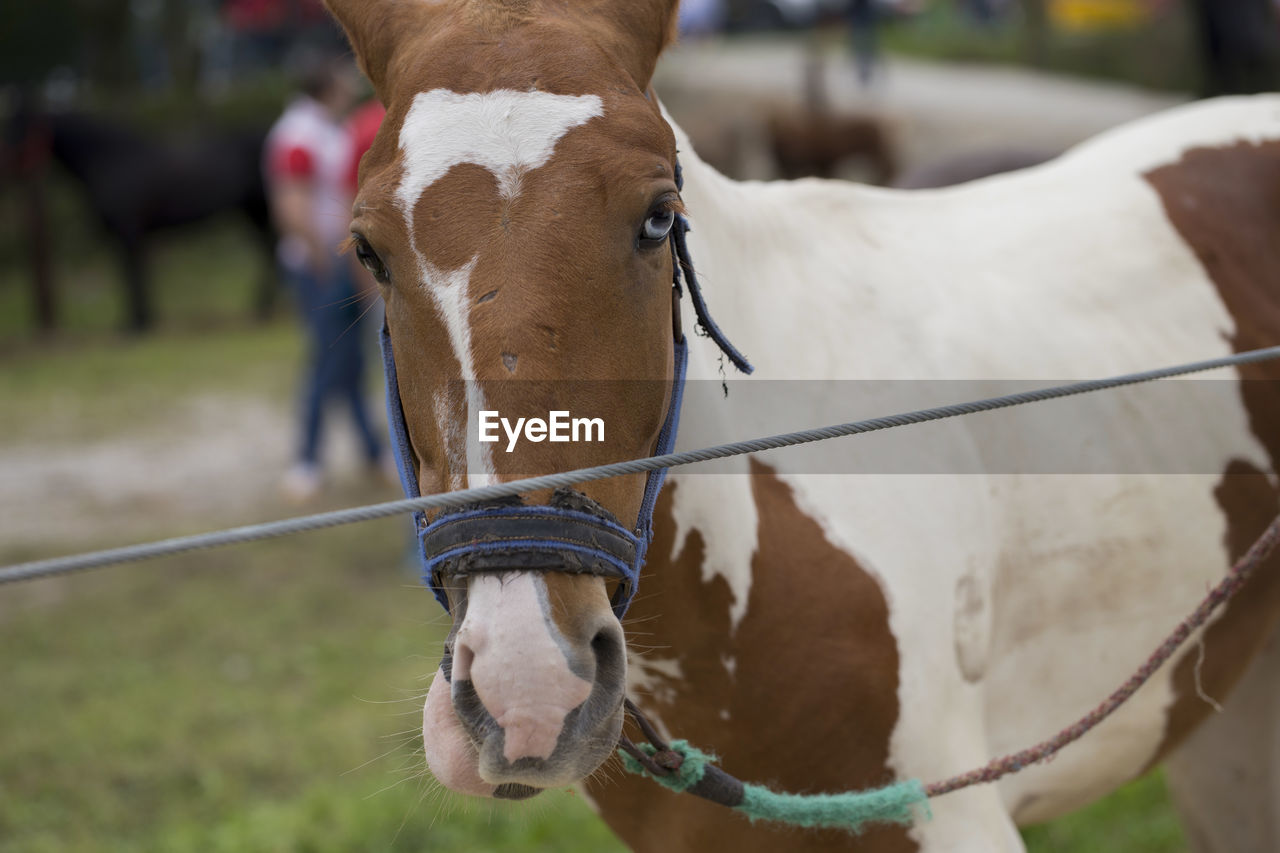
x=374, y=27
x=636, y=32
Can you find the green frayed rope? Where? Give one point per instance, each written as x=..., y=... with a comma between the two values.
x=689, y=774
x=852, y=810
x=898, y=803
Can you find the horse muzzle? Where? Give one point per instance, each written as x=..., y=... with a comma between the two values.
x=536, y=664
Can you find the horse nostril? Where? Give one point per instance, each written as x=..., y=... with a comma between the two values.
x=463, y=657
x=606, y=646
x=604, y=643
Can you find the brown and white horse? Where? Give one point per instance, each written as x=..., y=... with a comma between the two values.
x=828, y=632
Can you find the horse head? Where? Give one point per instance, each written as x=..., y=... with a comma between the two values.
x=515, y=210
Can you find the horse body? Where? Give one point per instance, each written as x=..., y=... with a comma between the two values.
x=1015, y=602
x=137, y=186
x=827, y=631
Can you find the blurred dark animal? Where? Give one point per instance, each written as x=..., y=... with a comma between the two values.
x=963, y=168
x=1239, y=45
x=816, y=140
x=138, y=184
x=23, y=160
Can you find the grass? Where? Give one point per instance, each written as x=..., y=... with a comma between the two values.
x=264, y=698
x=1135, y=819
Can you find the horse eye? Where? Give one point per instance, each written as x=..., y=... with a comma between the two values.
x=658, y=225
x=369, y=259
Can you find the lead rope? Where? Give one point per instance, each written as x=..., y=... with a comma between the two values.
x=682, y=767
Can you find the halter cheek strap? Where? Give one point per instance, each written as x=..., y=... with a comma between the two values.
x=572, y=534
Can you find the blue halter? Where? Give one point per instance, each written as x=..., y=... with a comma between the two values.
x=573, y=534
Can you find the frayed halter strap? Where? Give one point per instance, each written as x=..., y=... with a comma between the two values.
x=573, y=533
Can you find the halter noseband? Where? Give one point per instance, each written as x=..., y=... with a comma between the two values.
x=573, y=533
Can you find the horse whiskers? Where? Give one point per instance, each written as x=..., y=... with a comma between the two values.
x=409, y=695
x=629, y=621
x=638, y=638
x=606, y=773
x=407, y=747
x=343, y=302
x=644, y=649
x=394, y=784
x=415, y=769
x=415, y=695
x=405, y=735
x=397, y=748
x=448, y=805
x=641, y=653
x=353, y=324
x=423, y=782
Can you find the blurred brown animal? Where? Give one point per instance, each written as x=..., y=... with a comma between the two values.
x=816, y=141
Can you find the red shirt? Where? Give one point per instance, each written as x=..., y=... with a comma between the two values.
x=308, y=144
x=363, y=127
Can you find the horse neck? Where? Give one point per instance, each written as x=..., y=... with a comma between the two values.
x=752, y=243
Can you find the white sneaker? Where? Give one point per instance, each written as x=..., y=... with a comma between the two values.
x=301, y=483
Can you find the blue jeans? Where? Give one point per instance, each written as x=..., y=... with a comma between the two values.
x=335, y=368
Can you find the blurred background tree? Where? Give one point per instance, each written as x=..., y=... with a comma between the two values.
x=1239, y=43
x=39, y=37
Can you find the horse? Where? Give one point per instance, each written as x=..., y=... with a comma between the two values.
x=137, y=185
x=818, y=629
x=815, y=140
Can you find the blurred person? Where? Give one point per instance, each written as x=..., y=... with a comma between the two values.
x=307, y=162
x=701, y=18
x=862, y=18
x=986, y=13
x=362, y=127
x=259, y=34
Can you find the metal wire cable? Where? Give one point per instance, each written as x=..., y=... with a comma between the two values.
x=447, y=500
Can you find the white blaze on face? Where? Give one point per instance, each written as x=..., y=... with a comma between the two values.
x=509, y=133
x=506, y=649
